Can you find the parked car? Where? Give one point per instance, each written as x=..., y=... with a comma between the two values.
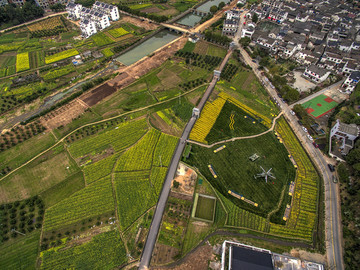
x=334, y=179
x=331, y=167
x=310, y=138
x=315, y=145
x=254, y=61
x=304, y=129
x=292, y=112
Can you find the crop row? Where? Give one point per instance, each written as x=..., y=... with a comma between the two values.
x=134, y=197
x=103, y=251
x=140, y=156
x=241, y=218
x=164, y=150
x=93, y=200
x=207, y=119
x=101, y=39
x=265, y=120
x=121, y=137
x=60, y=56
x=303, y=213
x=99, y=169
x=54, y=74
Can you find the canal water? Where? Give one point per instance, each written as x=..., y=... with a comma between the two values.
x=206, y=6
x=189, y=20
x=152, y=44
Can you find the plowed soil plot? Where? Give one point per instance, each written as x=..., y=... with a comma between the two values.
x=151, y=10
x=98, y=94
x=63, y=115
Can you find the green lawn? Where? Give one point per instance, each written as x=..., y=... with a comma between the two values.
x=236, y=172
x=205, y=208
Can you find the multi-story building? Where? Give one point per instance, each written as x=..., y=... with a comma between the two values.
x=17, y=2
x=316, y=74
x=111, y=11
x=350, y=83
x=248, y=30
x=346, y=135
x=99, y=16
x=46, y=4
x=231, y=23
x=87, y=28
x=74, y=11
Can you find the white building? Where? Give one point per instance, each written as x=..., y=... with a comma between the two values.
x=248, y=31
x=346, y=135
x=88, y=28
x=111, y=11
x=74, y=11
x=316, y=74
x=350, y=83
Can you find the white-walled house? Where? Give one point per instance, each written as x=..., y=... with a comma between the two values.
x=74, y=10
x=248, y=31
x=351, y=81
x=316, y=74
x=346, y=134
x=111, y=11
x=87, y=28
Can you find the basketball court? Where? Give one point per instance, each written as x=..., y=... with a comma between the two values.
x=320, y=105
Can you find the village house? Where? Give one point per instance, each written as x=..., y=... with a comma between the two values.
x=316, y=74
x=350, y=83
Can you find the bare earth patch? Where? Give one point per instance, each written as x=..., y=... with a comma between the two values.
x=137, y=22
x=198, y=260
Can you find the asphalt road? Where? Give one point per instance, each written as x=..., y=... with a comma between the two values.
x=160, y=207
x=332, y=205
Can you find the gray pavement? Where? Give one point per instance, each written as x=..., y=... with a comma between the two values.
x=160, y=207
x=332, y=205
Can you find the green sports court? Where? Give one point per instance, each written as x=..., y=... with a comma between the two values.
x=320, y=105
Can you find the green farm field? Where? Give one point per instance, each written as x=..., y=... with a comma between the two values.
x=104, y=251
x=236, y=172
x=41, y=174
x=20, y=253
x=242, y=125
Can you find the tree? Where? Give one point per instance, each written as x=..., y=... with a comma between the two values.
x=221, y=5
x=57, y=7
x=255, y=18
x=213, y=9
x=176, y=184
x=245, y=41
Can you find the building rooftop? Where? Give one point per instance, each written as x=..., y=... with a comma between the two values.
x=249, y=259
x=351, y=129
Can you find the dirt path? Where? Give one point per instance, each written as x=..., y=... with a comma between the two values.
x=239, y=138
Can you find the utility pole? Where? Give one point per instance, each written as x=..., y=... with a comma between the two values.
x=17, y=232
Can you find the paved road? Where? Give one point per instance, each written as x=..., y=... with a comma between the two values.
x=332, y=205
x=160, y=207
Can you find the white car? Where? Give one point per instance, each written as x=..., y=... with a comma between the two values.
x=310, y=138
x=292, y=112
x=304, y=129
